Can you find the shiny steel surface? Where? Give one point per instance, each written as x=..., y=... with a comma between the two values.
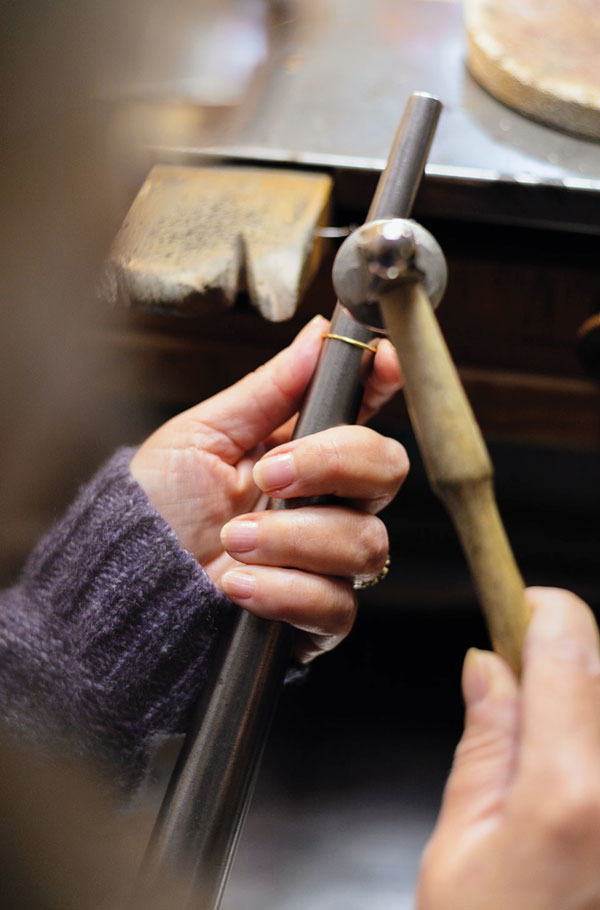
x=381, y=254
x=204, y=809
x=342, y=72
x=397, y=190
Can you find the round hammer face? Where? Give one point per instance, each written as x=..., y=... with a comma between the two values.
x=380, y=255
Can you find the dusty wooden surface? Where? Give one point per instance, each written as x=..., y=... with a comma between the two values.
x=195, y=235
x=539, y=57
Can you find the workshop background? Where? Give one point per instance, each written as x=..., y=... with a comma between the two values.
x=95, y=357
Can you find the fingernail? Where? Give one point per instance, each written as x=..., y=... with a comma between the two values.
x=239, y=536
x=475, y=678
x=238, y=585
x=274, y=472
x=485, y=677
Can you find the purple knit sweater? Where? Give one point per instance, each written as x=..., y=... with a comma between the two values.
x=106, y=640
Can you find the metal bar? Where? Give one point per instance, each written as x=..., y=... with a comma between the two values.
x=398, y=185
x=201, y=818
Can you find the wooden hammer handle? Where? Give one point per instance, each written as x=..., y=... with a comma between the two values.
x=457, y=462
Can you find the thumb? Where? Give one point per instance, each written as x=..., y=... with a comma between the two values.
x=485, y=758
x=248, y=411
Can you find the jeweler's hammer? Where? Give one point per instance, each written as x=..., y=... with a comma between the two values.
x=398, y=265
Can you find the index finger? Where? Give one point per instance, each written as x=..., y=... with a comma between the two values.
x=349, y=462
x=385, y=379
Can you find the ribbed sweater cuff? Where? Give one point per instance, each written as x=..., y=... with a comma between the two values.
x=127, y=615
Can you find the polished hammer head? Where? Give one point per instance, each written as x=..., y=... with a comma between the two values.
x=379, y=256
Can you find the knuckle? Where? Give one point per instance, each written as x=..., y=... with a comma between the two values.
x=330, y=456
x=342, y=608
x=295, y=531
x=479, y=748
x=373, y=543
x=398, y=461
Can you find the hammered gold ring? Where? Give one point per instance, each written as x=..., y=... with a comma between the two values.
x=354, y=341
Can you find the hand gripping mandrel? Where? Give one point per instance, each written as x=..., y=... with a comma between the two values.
x=203, y=811
x=398, y=265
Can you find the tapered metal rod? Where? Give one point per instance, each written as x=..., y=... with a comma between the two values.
x=203, y=812
x=398, y=186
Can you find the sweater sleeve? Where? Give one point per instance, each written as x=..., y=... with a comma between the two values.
x=108, y=637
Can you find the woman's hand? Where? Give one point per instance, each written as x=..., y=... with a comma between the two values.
x=210, y=470
x=520, y=822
